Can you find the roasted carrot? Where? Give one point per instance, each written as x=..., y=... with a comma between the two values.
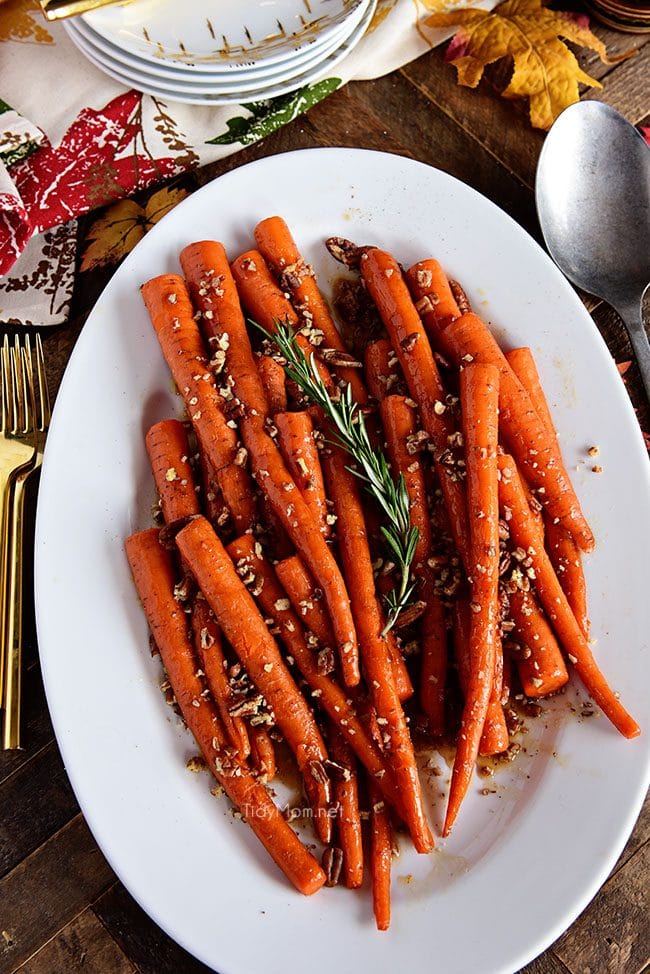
x=386, y=286
x=539, y=662
x=298, y=447
x=213, y=292
x=246, y=631
x=296, y=278
x=346, y=796
x=267, y=304
x=343, y=490
x=432, y=294
x=306, y=600
x=536, y=452
x=273, y=379
x=558, y=611
x=169, y=455
x=400, y=426
x=562, y=548
x=209, y=650
x=212, y=501
x=382, y=370
x=262, y=753
x=153, y=573
x=249, y=557
x=172, y=316
x=567, y=561
x=479, y=394
x=494, y=737
x=381, y=852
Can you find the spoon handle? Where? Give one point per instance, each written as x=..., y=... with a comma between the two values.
x=633, y=321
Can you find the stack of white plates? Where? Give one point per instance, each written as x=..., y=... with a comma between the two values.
x=216, y=52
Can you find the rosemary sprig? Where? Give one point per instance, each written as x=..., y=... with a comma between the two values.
x=372, y=466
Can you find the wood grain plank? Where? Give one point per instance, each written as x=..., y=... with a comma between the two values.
x=613, y=934
x=36, y=802
x=500, y=126
x=143, y=942
x=626, y=88
x=546, y=963
x=434, y=137
x=47, y=890
x=84, y=946
x=616, y=42
x=36, y=725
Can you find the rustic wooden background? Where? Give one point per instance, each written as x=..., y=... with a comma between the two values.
x=62, y=911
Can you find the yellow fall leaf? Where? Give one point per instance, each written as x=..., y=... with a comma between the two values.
x=544, y=69
x=124, y=224
x=161, y=203
x=18, y=24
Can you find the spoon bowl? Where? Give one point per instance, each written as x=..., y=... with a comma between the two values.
x=593, y=201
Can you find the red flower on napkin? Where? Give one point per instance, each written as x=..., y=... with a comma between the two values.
x=97, y=161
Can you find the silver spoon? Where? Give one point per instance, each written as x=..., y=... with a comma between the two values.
x=593, y=202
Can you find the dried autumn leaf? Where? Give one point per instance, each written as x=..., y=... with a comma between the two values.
x=124, y=224
x=161, y=202
x=114, y=235
x=544, y=69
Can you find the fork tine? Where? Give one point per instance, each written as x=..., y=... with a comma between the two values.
x=4, y=377
x=43, y=393
x=14, y=396
x=27, y=371
x=21, y=387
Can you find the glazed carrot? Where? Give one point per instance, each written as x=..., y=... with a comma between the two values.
x=296, y=278
x=525, y=434
x=343, y=490
x=382, y=371
x=213, y=292
x=298, y=447
x=540, y=664
x=209, y=650
x=494, y=738
x=479, y=394
x=400, y=426
x=169, y=455
x=554, y=602
x=172, y=316
x=266, y=303
x=260, y=293
x=259, y=573
x=273, y=379
x=563, y=550
x=306, y=600
x=262, y=753
x=246, y=631
x=346, y=796
x=432, y=294
x=213, y=505
x=153, y=573
x=381, y=851
x=386, y=286
x=567, y=562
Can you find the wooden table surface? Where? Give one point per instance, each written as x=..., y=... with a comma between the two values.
x=62, y=910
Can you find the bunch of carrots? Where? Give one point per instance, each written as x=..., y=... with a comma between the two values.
x=264, y=589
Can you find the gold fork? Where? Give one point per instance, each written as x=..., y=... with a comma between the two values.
x=57, y=9
x=32, y=414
